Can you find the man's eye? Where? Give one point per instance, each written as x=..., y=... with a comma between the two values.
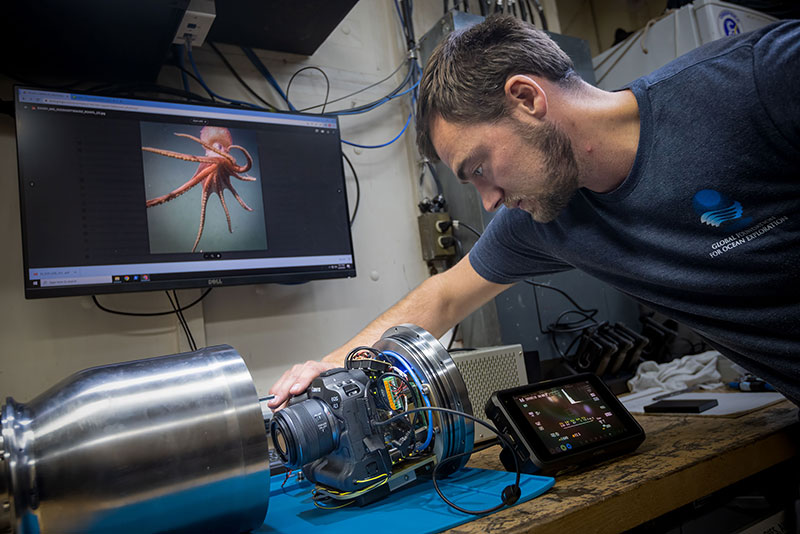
x=478, y=171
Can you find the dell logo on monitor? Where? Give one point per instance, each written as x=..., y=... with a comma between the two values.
x=215, y=281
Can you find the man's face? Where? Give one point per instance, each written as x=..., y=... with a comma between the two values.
x=526, y=166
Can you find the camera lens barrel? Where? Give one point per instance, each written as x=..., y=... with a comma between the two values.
x=304, y=432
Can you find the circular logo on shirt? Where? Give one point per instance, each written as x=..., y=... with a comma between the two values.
x=730, y=23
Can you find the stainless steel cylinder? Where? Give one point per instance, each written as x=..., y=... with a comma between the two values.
x=175, y=444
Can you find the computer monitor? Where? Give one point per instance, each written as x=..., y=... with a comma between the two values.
x=123, y=194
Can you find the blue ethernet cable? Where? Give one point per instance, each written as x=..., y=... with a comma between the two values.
x=408, y=120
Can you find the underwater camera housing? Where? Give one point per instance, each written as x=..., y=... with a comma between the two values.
x=350, y=433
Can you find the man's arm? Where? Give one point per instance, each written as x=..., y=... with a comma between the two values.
x=436, y=305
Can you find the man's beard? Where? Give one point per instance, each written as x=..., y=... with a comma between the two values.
x=553, y=145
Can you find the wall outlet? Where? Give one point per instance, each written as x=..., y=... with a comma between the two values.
x=196, y=22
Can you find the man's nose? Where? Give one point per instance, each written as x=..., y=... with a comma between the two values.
x=491, y=196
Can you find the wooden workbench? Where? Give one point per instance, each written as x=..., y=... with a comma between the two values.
x=682, y=459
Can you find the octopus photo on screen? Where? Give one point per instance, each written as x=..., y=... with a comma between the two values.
x=185, y=167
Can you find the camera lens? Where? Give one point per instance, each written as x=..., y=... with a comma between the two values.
x=304, y=432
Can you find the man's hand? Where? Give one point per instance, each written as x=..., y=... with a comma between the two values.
x=296, y=380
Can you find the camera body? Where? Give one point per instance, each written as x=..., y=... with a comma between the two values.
x=362, y=431
x=352, y=448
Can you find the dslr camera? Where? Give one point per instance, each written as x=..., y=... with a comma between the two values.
x=365, y=430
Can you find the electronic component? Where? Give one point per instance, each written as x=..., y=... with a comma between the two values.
x=562, y=423
x=341, y=432
x=196, y=22
x=410, y=420
x=606, y=349
x=486, y=370
x=681, y=406
x=112, y=195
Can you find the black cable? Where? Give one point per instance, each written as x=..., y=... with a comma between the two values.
x=522, y=11
x=407, y=21
x=566, y=296
x=238, y=77
x=149, y=314
x=372, y=350
x=435, y=177
x=541, y=14
x=459, y=247
x=395, y=71
x=327, y=84
x=182, y=321
x=192, y=75
x=514, y=490
x=179, y=311
x=564, y=354
x=417, y=395
x=573, y=326
x=453, y=338
x=358, y=188
x=593, y=312
x=462, y=224
x=530, y=12
x=381, y=100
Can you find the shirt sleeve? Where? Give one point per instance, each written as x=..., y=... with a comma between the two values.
x=776, y=66
x=508, y=250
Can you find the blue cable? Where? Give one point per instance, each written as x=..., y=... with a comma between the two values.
x=203, y=83
x=410, y=371
x=399, y=15
x=259, y=65
x=408, y=120
x=379, y=103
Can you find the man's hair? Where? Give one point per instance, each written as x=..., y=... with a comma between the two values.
x=464, y=79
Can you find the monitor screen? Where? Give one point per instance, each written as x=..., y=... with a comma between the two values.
x=121, y=194
x=569, y=418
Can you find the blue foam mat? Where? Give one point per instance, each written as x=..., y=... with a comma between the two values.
x=291, y=508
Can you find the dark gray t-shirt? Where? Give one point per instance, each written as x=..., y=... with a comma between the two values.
x=706, y=227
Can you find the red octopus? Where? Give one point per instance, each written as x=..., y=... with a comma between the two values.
x=215, y=170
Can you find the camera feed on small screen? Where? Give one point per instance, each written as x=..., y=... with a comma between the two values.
x=569, y=417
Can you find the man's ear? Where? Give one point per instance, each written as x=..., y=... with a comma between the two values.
x=525, y=95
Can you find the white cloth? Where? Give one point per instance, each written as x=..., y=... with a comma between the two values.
x=689, y=371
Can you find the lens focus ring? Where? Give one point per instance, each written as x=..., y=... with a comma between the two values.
x=304, y=432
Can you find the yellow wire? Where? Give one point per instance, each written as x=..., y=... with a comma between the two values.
x=353, y=494
x=371, y=479
x=321, y=507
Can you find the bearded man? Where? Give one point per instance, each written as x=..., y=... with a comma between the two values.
x=681, y=190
